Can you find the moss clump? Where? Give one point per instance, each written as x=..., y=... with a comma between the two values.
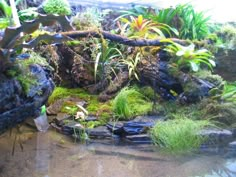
x=173, y=110
x=69, y=108
x=59, y=7
x=60, y=92
x=21, y=69
x=88, y=19
x=99, y=109
x=212, y=78
x=179, y=135
x=227, y=34
x=129, y=103
x=222, y=112
x=148, y=92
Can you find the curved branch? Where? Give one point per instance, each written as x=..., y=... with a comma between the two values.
x=12, y=33
x=120, y=39
x=49, y=39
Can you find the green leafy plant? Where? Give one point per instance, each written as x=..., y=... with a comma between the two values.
x=143, y=28
x=192, y=24
x=165, y=16
x=229, y=92
x=59, y=7
x=132, y=64
x=178, y=135
x=129, y=103
x=187, y=56
x=224, y=93
x=28, y=14
x=147, y=13
x=6, y=20
x=104, y=57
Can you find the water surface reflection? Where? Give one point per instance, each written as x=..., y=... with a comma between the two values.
x=51, y=154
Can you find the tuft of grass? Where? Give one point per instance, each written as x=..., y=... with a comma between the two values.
x=129, y=103
x=178, y=135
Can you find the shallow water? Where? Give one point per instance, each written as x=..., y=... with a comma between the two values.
x=51, y=154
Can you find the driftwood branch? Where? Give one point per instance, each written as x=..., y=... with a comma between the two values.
x=11, y=34
x=66, y=36
x=120, y=39
x=49, y=39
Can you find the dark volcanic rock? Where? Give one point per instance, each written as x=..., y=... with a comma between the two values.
x=137, y=126
x=140, y=125
x=140, y=139
x=99, y=132
x=71, y=127
x=15, y=105
x=116, y=127
x=134, y=128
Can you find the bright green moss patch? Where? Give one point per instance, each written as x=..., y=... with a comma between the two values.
x=59, y=7
x=99, y=109
x=60, y=92
x=69, y=108
x=129, y=103
x=178, y=135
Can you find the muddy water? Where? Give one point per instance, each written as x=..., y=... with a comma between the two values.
x=54, y=155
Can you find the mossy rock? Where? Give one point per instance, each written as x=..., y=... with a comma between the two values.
x=22, y=69
x=215, y=79
x=103, y=111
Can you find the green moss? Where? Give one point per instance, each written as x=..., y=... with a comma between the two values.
x=73, y=43
x=129, y=103
x=99, y=109
x=148, y=92
x=90, y=124
x=173, y=110
x=69, y=108
x=228, y=36
x=21, y=70
x=60, y=92
x=212, y=78
x=59, y=7
x=222, y=112
x=89, y=19
x=27, y=80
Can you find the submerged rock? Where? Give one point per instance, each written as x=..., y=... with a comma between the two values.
x=140, y=125
x=71, y=127
x=231, y=150
x=116, y=127
x=140, y=139
x=232, y=145
x=217, y=136
x=99, y=132
x=91, y=118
